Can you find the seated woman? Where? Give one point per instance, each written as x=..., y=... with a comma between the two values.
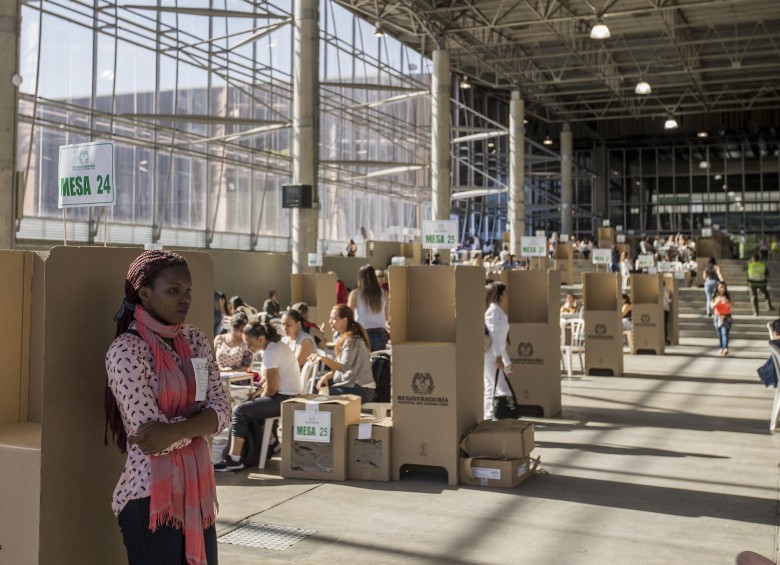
x=570, y=305
x=296, y=337
x=625, y=312
x=230, y=351
x=311, y=328
x=351, y=369
x=280, y=380
x=271, y=306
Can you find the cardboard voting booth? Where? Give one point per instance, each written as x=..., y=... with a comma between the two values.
x=606, y=236
x=673, y=323
x=53, y=459
x=564, y=262
x=701, y=264
x=535, y=338
x=413, y=252
x=603, y=327
x=318, y=290
x=647, y=313
x=438, y=327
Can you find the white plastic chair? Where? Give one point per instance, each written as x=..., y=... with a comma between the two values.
x=776, y=404
x=576, y=329
x=307, y=371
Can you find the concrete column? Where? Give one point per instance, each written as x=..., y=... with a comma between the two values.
x=516, y=203
x=567, y=188
x=10, y=28
x=599, y=196
x=305, y=128
x=440, y=137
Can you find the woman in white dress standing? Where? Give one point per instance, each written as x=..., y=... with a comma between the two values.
x=496, y=356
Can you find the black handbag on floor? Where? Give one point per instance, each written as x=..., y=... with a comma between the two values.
x=505, y=407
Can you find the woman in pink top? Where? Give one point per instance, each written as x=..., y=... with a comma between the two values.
x=163, y=396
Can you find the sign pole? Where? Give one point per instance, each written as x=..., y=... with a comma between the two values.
x=105, y=227
x=64, y=229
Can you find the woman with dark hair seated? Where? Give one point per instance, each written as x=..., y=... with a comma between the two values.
x=280, y=380
x=230, y=351
x=351, y=368
x=271, y=306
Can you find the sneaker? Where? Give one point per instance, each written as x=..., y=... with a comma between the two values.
x=726, y=351
x=274, y=449
x=228, y=464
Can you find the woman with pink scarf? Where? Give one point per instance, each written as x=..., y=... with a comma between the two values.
x=163, y=396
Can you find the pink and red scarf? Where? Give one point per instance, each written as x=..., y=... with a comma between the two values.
x=183, y=489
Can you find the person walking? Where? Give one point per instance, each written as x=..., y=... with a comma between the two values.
x=371, y=308
x=163, y=395
x=757, y=275
x=721, y=306
x=712, y=277
x=496, y=356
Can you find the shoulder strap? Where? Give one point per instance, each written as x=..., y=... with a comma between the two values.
x=508, y=382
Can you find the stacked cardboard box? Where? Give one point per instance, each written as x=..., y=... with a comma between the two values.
x=564, y=262
x=535, y=338
x=603, y=327
x=369, y=449
x=673, y=325
x=498, y=454
x=437, y=362
x=647, y=314
x=314, y=436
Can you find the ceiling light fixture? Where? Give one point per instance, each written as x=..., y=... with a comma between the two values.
x=702, y=134
x=547, y=140
x=465, y=84
x=670, y=123
x=643, y=87
x=378, y=32
x=599, y=30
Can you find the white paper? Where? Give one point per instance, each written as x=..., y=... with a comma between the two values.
x=364, y=430
x=522, y=469
x=311, y=426
x=486, y=473
x=201, y=370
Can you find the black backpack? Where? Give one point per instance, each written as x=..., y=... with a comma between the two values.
x=380, y=368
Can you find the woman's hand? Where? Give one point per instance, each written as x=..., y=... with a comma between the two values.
x=153, y=437
x=323, y=382
x=499, y=363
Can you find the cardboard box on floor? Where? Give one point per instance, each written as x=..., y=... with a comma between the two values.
x=499, y=473
x=535, y=338
x=647, y=314
x=437, y=317
x=603, y=326
x=564, y=262
x=314, y=436
x=318, y=291
x=369, y=449
x=673, y=325
x=502, y=439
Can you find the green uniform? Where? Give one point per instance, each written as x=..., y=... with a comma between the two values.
x=757, y=279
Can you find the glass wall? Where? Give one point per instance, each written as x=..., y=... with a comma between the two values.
x=197, y=98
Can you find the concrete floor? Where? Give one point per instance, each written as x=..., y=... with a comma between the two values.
x=671, y=463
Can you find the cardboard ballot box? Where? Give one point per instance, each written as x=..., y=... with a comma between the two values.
x=505, y=439
x=501, y=473
x=647, y=314
x=314, y=436
x=369, y=449
x=603, y=326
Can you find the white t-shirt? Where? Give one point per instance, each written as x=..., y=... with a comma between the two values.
x=279, y=356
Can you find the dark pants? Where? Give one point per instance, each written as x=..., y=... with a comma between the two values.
x=165, y=546
x=365, y=394
x=754, y=288
x=256, y=410
x=378, y=338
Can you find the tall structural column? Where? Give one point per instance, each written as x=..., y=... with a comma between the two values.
x=599, y=197
x=305, y=145
x=516, y=203
x=440, y=142
x=567, y=189
x=10, y=26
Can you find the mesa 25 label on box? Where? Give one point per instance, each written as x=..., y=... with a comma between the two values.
x=309, y=425
x=86, y=175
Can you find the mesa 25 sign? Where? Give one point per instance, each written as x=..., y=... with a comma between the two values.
x=440, y=234
x=86, y=175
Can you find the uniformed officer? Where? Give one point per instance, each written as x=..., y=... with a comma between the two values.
x=757, y=280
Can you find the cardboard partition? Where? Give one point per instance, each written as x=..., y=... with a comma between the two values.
x=413, y=252
x=16, y=303
x=603, y=327
x=606, y=237
x=503, y=439
x=538, y=263
x=564, y=262
x=673, y=324
x=251, y=275
x=318, y=290
x=346, y=268
x=498, y=473
x=701, y=264
x=436, y=356
x=314, y=436
x=380, y=253
x=647, y=313
x=708, y=247
x=369, y=449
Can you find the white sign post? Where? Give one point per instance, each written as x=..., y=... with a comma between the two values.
x=533, y=246
x=440, y=234
x=601, y=256
x=86, y=175
x=315, y=260
x=645, y=261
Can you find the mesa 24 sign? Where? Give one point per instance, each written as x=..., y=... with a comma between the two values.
x=86, y=175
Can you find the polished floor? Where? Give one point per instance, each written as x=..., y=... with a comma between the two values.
x=672, y=463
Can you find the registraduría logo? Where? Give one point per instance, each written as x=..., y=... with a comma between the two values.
x=422, y=383
x=525, y=349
